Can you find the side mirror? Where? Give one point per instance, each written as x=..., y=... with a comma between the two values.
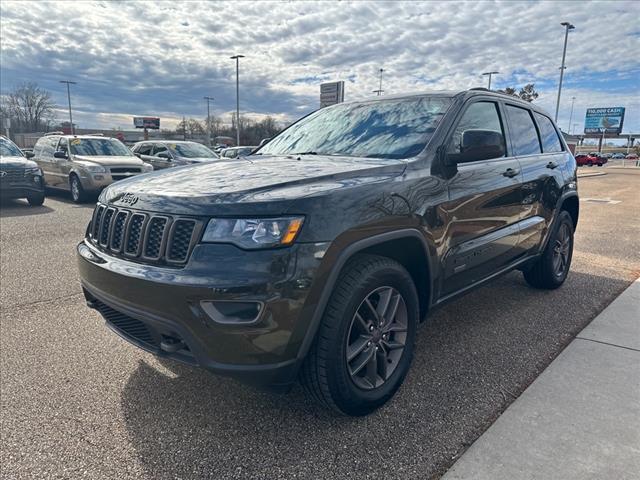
x=60, y=154
x=29, y=154
x=480, y=145
x=164, y=155
x=137, y=154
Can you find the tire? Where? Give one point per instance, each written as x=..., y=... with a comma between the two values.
x=548, y=273
x=36, y=199
x=78, y=195
x=589, y=163
x=599, y=164
x=327, y=375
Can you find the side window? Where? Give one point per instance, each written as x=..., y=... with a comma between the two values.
x=48, y=146
x=37, y=149
x=524, y=135
x=479, y=116
x=144, y=149
x=63, y=146
x=158, y=149
x=548, y=134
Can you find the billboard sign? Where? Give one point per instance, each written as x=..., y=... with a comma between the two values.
x=331, y=93
x=608, y=118
x=147, y=122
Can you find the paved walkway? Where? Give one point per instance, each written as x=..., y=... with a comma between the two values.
x=580, y=419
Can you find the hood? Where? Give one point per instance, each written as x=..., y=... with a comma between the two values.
x=110, y=159
x=258, y=185
x=17, y=162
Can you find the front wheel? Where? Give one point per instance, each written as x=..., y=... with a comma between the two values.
x=78, y=194
x=552, y=268
x=589, y=163
x=36, y=199
x=364, y=345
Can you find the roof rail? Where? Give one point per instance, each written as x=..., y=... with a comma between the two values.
x=53, y=133
x=482, y=89
x=95, y=134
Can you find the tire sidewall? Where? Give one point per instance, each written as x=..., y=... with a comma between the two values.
x=349, y=397
x=563, y=218
x=73, y=179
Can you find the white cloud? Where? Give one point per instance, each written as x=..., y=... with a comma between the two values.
x=161, y=58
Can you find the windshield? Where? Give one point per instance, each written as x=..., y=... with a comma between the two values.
x=191, y=150
x=99, y=146
x=384, y=129
x=8, y=149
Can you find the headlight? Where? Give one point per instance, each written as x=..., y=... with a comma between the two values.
x=89, y=167
x=147, y=167
x=253, y=233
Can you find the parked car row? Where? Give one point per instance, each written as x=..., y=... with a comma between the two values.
x=590, y=159
x=85, y=164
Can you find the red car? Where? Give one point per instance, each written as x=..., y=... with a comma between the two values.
x=589, y=160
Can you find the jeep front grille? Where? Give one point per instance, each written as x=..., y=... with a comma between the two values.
x=144, y=237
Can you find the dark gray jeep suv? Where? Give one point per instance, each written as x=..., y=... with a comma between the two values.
x=316, y=257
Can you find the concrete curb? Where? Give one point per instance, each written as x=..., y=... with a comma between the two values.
x=595, y=174
x=580, y=419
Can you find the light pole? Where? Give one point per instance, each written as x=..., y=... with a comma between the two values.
x=379, y=91
x=237, y=59
x=573, y=99
x=69, y=99
x=567, y=26
x=574, y=127
x=604, y=130
x=208, y=121
x=490, y=75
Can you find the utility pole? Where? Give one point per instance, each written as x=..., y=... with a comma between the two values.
x=184, y=128
x=604, y=130
x=379, y=91
x=490, y=75
x=208, y=121
x=567, y=26
x=237, y=59
x=573, y=99
x=69, y=99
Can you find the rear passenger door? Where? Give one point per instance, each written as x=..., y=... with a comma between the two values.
x=161, y=157
x=536, y=143
x=144, y=152
x=484, y=205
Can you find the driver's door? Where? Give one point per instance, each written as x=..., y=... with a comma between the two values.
x=62, y=166
x=484, y=206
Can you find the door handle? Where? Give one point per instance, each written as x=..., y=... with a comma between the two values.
x=510, y=172
x=552, y=165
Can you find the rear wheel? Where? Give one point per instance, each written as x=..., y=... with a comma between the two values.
x=364, y=345
x=589, y=163
x=78, y=194
x=36, y=199
x=552, y=268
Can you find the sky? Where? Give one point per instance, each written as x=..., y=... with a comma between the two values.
x=161, y=58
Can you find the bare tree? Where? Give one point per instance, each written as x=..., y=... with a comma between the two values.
x=29, y=107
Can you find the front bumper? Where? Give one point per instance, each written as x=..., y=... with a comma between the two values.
x=160, y=308
x=22, y=190
x=94, y=182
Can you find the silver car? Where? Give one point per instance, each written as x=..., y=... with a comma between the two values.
x=172, y=153
x=85, y=164
x=235, y=152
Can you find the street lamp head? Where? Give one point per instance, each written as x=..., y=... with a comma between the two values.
x=568, y=25
x=235, y=57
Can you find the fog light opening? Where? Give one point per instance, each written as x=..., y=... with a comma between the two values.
x=232, y=312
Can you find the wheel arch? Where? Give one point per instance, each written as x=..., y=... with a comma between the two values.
x=399, y=245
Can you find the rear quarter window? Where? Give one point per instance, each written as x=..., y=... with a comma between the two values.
x=548, y=134
x=524, y=135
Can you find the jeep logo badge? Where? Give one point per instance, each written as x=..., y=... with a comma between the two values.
x=129, y=199
x=3, y=173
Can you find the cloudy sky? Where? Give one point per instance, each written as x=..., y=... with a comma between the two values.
x=155, y=58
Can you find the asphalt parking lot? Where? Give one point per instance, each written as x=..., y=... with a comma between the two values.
x=77, y=401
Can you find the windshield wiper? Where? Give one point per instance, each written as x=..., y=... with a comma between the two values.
x=305, y=153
